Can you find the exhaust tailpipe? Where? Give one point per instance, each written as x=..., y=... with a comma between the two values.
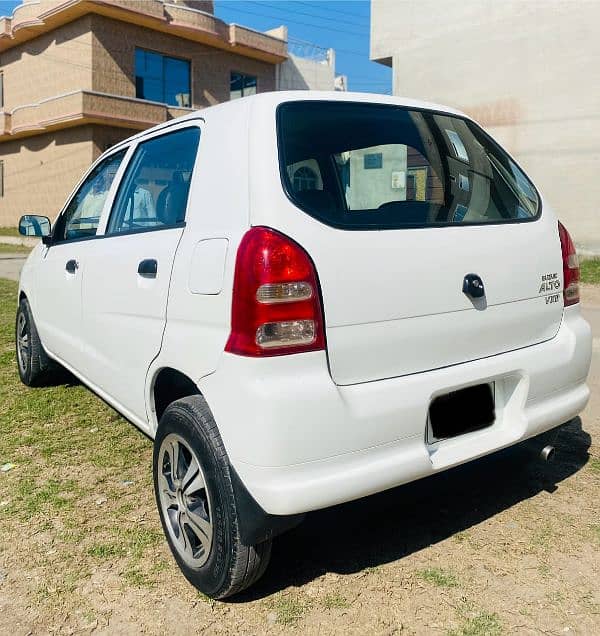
x=548, y=453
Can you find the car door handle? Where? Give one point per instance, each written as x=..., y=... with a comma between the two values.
x=72, y=266
x=148, y=268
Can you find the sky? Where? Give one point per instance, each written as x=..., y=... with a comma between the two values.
x=339, y=24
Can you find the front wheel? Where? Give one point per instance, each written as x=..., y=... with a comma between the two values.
x=197, y=508
x=35, y=368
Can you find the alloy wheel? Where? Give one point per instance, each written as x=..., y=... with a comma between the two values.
x=185, y=500
x=23, y=342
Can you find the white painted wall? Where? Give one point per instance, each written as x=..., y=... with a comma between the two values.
x=528, y=70
x=298, y=73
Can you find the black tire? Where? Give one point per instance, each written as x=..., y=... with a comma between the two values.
x=230, y=566
x=35, y=367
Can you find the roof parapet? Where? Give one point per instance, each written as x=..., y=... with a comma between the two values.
x=34, y=17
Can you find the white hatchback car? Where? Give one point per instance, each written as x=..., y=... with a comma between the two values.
x=306, y=298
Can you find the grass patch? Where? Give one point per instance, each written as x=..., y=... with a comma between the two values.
x=5, y=248
x=9, y=231
x=133, y=542
x=105, y=550
x=335, y=601
x=438, y=577
x=542, y=536
x=594, y=465
x=139, y=539
x=138, y=578
x=481, y=624
x=590, y=271
x=32, y=498
x=289, y=609
x=145, y=577
x=82, y=476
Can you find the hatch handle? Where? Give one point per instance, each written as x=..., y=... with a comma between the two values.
x=473, y=286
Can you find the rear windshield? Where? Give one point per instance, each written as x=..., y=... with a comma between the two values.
x=368, y=166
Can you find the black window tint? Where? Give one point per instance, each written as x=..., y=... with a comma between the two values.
x=81, y=217
x=155, y=186
x=392, y=167
x=160, y=78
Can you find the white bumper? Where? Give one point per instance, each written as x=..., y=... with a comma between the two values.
x=299, y=442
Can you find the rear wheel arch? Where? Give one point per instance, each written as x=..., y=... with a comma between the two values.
x=169, y=385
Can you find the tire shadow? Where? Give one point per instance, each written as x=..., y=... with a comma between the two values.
x=61, y=377
x=388, y=526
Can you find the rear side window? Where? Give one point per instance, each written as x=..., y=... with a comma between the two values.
x=369, y=166
x=154, y=191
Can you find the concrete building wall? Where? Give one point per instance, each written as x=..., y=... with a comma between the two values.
x=52, y=64
x=114, y=59
x=298, y=73
x=527, y=70
x=40, y=171
x=370, y=187
x=105, y=137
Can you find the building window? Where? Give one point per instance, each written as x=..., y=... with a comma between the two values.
x=241, y=85
x=304, y=179
x=159, y=78
x=1, y=91
x=373, y=161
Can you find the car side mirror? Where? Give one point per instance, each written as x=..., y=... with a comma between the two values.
x=35, y=225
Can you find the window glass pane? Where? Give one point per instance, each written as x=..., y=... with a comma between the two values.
x=177, y=82
x=154, y=189
x=152, y=65
x=305, y=175
x=148, y=75
x=1, y=90
x=162, y=79
x=393, y=167
x=241, y=85
x=249, y=85
x=149, y=88
x=236, y=85
x=83, y=212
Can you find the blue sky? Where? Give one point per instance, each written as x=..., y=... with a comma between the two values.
x=339, y=24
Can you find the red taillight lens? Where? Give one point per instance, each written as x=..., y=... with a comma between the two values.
x=276, y=306
x=570, y=267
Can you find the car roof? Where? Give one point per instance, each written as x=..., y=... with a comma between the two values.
x=270, y=100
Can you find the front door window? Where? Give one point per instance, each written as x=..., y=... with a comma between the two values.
x=82, y=215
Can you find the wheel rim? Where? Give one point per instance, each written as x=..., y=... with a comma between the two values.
x=184, y=500
x=22, y=342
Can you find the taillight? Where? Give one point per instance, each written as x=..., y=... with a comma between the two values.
x=570, y=267
x=276, y=307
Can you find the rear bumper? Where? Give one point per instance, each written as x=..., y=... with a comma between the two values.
x=299, y=442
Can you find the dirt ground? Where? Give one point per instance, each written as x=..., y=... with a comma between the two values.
x=501, y=545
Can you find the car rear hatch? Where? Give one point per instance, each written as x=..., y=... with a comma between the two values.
x=411, y=204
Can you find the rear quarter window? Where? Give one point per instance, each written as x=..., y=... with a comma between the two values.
x=369, y=166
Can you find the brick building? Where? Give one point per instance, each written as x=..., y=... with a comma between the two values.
x=77, y=76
